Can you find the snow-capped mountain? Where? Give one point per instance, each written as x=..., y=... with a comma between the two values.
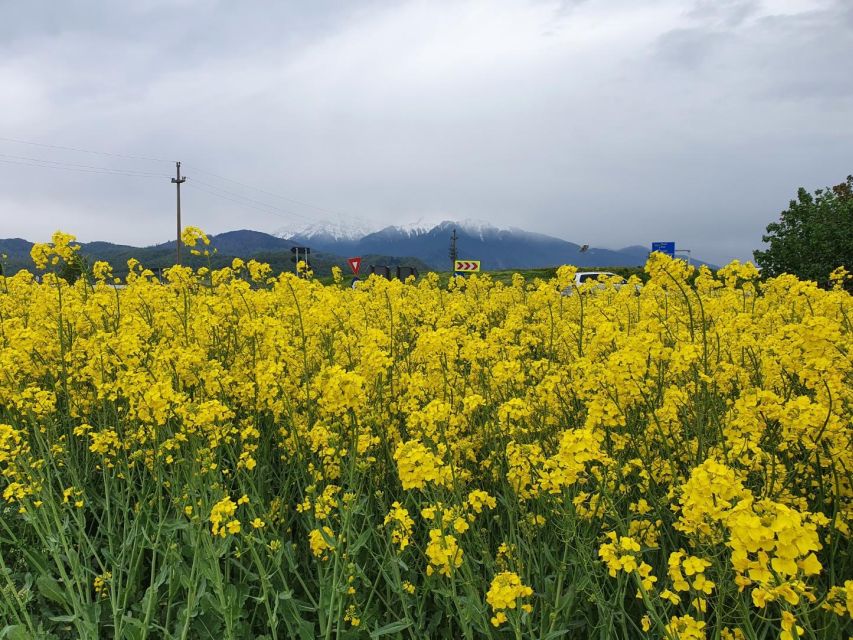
x=495, y=247
x=478, y=228
x=423, y=244
x=325, y=231
x=329, y=231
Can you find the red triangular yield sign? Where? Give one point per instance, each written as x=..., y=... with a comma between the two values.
x=354, y=264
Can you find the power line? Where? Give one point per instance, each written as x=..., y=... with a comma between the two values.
x=62, y=164
x=194, y=186
x=107, y=172
x=264, y=208
x=248, y=199
x=79, y=150
x=285, y=198
x=212, y=189
x=269, y=193
x=81, y=168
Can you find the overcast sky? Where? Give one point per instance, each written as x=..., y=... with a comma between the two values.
x=608, y=122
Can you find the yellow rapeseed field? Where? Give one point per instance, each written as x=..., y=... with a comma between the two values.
x=228, y=454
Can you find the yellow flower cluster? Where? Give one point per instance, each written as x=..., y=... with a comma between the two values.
x=621, y=554
x=60, y=248
x=578, y=448
x=506, y=592
x=773, y=546
x=191, y=236
x=479, y=500
x=321, y=541
x=443, y=553
x=685, y=628
x=840, y=599
x=688, y=572
x=222, y=520
x=419, y=466
x=101, y=583
x=401, y=525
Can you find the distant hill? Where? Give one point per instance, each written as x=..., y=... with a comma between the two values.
x=243, y=244
x=424, y=247
x=496, y=248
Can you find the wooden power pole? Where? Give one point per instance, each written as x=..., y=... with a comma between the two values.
x=178, y=181
x=453, y=254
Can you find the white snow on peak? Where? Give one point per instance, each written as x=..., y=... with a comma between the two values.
x=422, y=226
x=345, y=230
x=416, y=228
x=477, y=227
x=335, y=230
x=471, y=226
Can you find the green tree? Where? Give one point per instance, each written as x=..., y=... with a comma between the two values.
x=813, y=236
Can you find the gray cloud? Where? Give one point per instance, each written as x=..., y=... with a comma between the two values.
x=725, y=13
x=601, y=122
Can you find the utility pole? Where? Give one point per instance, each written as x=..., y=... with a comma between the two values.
x=453, y=254
x=177, y=181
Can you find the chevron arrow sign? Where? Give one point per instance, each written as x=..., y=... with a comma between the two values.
x=467, y=266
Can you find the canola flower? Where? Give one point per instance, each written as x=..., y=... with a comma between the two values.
x=321, y=542
x=230, y=453
x=504, y=594
x=401, y=522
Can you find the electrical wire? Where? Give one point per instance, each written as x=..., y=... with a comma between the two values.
x=270, y=209
x=230, y=195
x=340, y=214
x=269, y=193
x=79, y=150
x=194, y=183
x=62, y=164
x=195, y=180
x=109, y=172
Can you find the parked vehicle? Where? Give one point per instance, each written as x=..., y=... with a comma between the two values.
x=588, y=277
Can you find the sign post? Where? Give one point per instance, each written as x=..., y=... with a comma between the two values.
x=354, y=264
x=664, y=247
x=301, y=254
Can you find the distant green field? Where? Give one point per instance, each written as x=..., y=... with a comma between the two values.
x=529, y=275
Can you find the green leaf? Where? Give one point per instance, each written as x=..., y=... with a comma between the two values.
x=15, y=632
x=50, y=589
x=361, y=540
x=306, y=630
x=67, y=618
x=434, y=623
x=133, y=629
x=393, y=627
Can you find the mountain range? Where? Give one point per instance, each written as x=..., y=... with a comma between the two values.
x=425, y=247
x=496, y=248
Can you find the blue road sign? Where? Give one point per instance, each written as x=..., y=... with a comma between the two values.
x=664, y=247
